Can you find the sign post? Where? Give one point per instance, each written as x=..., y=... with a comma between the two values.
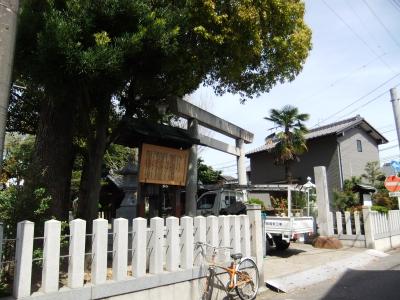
x=392, y=184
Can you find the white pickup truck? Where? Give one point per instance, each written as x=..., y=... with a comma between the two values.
x=277, y=230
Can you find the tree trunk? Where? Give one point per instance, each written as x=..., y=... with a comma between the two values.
x=89, y=190
x=53, y=154
x=288, y=172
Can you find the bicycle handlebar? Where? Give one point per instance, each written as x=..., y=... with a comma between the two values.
x=211, y=246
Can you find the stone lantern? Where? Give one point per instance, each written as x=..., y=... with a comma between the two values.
x=129, y=185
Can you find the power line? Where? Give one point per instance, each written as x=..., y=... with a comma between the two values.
x=356, y=34
x=359, y=99
x=388, y=148
x=380, y=22
x=395, y=5
x=365, y=104
x=362, y=23
x=364, y=66
x=389, y=131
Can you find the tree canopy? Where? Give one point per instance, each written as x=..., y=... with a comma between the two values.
x=90, y=63
x=290, y=142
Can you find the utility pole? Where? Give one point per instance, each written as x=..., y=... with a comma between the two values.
x=8, y=31
x=396, y=111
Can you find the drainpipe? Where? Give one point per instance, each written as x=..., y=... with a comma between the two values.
x=340, y=166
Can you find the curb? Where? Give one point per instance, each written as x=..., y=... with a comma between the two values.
x=324, y=272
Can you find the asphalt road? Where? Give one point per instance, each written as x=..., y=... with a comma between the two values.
x=377, y=280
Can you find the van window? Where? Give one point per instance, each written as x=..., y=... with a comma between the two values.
x=206, y=201
x=228, y=200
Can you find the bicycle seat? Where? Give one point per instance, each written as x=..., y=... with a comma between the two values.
x=237, y=256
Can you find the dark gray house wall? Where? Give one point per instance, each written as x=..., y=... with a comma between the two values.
x=322, y=152
x=353, y=161
x=343, y=148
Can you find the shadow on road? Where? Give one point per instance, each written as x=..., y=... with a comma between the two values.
x=365, y=285
x=284, y=253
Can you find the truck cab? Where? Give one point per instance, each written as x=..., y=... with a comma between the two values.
x=212, y=202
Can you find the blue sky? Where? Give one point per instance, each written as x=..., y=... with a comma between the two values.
x=355, y=56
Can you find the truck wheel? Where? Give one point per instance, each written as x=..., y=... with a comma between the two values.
x=268, y=244
x=280, y=244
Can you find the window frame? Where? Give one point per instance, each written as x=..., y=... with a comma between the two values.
x=359, y=146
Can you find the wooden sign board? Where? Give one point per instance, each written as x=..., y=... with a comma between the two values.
x=162, y=165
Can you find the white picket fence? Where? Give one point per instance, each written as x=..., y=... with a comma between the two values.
x=369, y=229
x=167, y=246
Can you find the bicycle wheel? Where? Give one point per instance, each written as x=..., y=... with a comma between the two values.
x=247, y=279
x=205, y=286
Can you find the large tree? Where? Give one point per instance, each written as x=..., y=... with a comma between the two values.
x=290, y=142
x=89, y=58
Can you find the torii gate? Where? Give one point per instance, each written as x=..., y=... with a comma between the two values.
x=197, y=116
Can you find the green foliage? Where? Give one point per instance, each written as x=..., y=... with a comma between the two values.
x=15, y=206
x=290, y=143
x=379, y=208
x=373, y=174
x=381, y=198
x=110, y=59
x=344, y=200
x=116, y=157
x=206, y=174
x=347, y=199
x=257, y=201
x=299, y=200
x=18, y=153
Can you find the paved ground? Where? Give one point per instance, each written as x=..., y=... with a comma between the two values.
x=301, y=257
x=377, y=279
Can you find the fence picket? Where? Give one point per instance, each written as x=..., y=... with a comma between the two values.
x=51, y=256
x=234, y=233
x=139, y=243
x=347, y=218
x=245, y=235
x=99, y=251
x=339, y=223
x=187, y=242
x=120, y=249
x=23, y=259
x=224, y=238
x=77, y=229
x=212, y=230
x=156, y=245
x=172, y=259
x=357, y=222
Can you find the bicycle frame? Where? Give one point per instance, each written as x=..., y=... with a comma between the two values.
x=232, y=272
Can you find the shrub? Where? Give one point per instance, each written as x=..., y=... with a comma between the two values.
x=257, y=201
x=379, y=208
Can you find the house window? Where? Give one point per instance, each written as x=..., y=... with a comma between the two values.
x=359, y=146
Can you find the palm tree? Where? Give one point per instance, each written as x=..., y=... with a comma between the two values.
x=290, y=143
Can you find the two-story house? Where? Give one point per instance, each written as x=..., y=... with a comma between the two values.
x=343, y=147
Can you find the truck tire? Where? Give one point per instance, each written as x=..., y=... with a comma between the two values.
x=268, y=245
x=280, y=244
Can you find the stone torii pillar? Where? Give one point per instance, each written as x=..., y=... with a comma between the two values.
x=240, y=160
x=191, y=181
